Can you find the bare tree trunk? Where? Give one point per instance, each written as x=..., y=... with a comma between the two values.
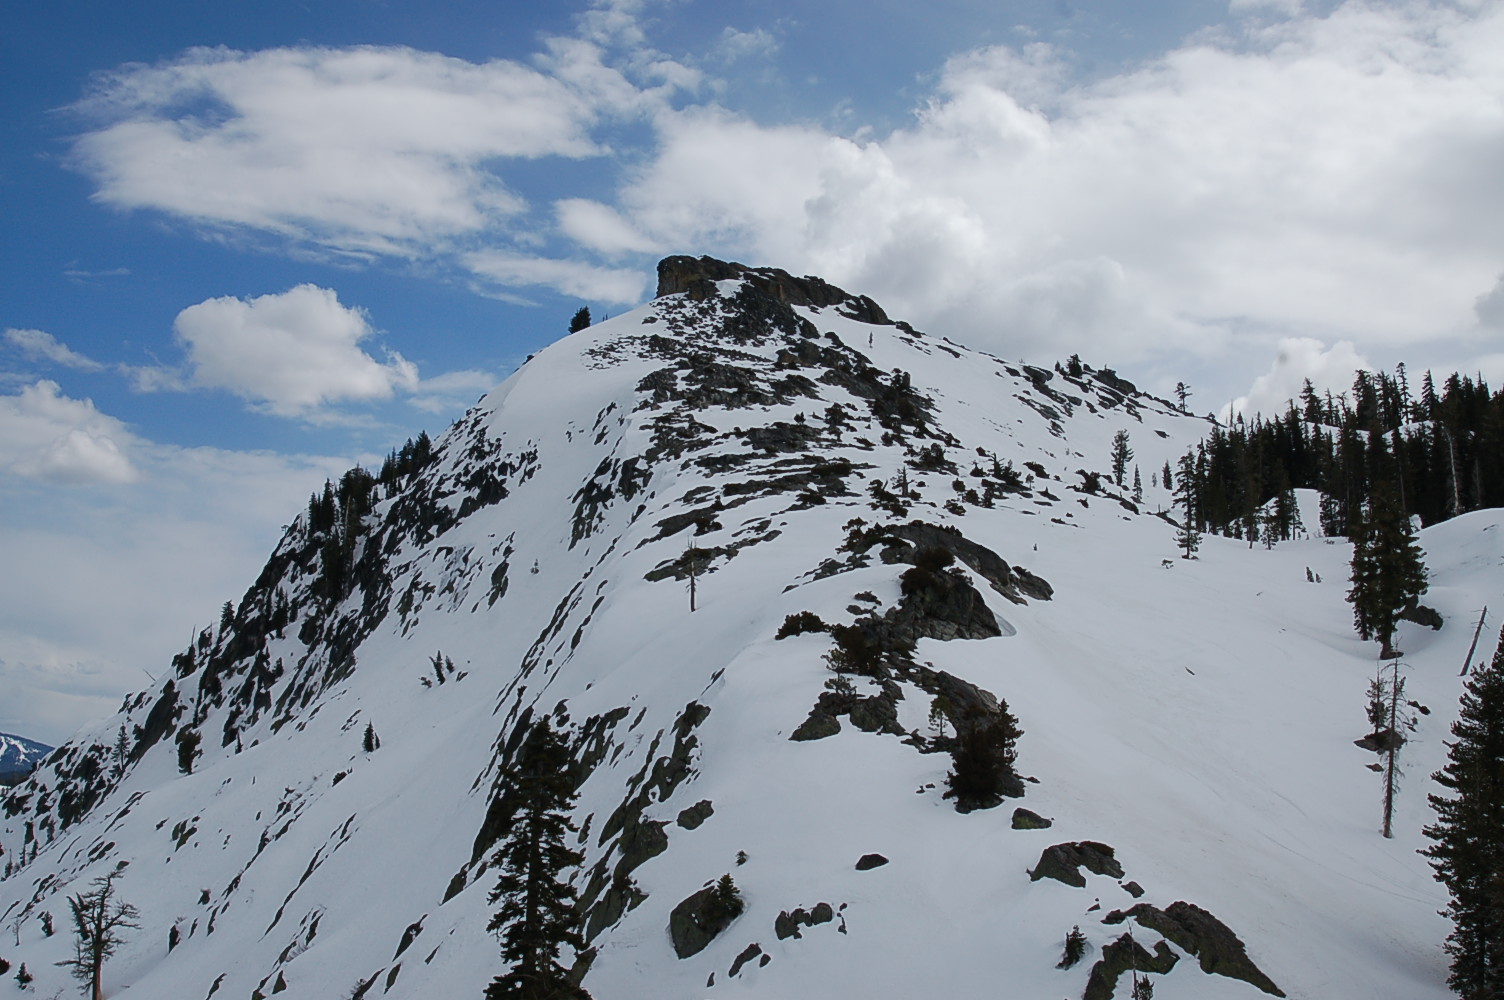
x=1390, y=762
x=1471, y=649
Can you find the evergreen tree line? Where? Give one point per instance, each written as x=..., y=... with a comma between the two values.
x=1438, y=453
x=335, y=515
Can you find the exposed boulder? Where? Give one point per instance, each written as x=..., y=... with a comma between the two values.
x=750, y=952
x=697, y=276
x=1027, y=819
x=787, y=924
x=693, y=816
x=1063, y=863
x=819, y=725
x=696, y=921
x=1119, y=957
x=1197, y=932
x=867, y=862
x=1421, y=614
x=1381, y=741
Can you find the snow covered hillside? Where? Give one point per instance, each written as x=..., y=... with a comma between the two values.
x=782, y=447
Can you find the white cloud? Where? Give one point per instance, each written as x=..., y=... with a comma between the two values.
x=47, y=436
x=585, y=281
x=1489, y=307
x=755, y=44
x=1298, y=359
x=1331, y=176
x=1286, y=7
x=115, y=580
x=364, y=150
x=41, y=345
x=290, y=353
x=445, y=393
x=600, y=227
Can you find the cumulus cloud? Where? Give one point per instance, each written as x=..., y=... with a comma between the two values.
x=47, y=436
x=42, y=346
x=1328, y=174
x=1314, y=175
x=290, y=353
x=1300, y=358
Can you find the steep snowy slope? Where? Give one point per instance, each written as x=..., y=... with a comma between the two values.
x=785, y=448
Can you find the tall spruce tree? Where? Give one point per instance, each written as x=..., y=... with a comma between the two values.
x=1468, y=849
x=1388, y=575
x=538, y=914
x=1187, y=537
x=1121, y=456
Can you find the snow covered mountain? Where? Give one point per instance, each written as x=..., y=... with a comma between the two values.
x=18, y=756
x=781, y=447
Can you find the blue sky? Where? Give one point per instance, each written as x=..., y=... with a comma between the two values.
x=249, y=245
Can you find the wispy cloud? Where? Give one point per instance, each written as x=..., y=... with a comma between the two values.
x=40, y=345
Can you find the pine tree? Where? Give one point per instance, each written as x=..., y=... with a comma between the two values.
x=1468, y=849
x=538, y=914
x=370, y=742
x=581, y=320
x=1075, y=948
x=188, y=741
x=122, y=751
x=728, y=898
x=1138, y=486
x=1388, y=575
x=1187, y=537
x=982, y=759
x=1121, y=456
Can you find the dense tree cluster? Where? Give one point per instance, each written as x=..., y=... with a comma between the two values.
x=1441, y=452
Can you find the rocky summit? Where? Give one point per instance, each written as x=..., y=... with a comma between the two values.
x=851, y=614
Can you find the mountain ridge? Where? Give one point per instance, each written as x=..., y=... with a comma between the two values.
x=790, y=449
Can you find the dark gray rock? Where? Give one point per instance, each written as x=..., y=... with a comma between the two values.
x=696, y=921
x=1197, y=932
x=693, y=816
x=696, y=276
x=818, y=726
x=641, y=841
x=787, y=924
x=1382, y=741
x=1420, y=614
x=877, y=714
x=1133, y=889
x=867, y=862
x=1063, y=863
x=903, y=541
x=750, y=952
x=1027, y=819
x=1119, y=957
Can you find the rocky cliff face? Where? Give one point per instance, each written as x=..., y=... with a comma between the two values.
x=771, y=559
